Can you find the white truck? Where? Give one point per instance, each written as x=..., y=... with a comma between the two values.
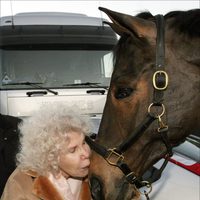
x=54, y=57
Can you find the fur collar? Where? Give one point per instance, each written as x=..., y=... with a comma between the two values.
x=45, y=190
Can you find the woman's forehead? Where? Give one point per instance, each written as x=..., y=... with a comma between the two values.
x=74, y=136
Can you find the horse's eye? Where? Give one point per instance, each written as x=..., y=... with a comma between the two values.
x=123, y=93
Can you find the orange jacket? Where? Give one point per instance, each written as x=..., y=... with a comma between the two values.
x=29, y=186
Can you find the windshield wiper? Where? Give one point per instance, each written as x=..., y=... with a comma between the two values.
x=33, y=84
x=90, y=84
x=85, y=83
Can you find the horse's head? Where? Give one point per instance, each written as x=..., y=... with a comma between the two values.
x=141, y=104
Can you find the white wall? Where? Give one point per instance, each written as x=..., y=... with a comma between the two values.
x=8, y=7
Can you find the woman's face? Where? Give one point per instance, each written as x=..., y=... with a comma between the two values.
x=75, y=156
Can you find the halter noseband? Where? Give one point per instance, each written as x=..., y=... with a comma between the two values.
x=114, y=156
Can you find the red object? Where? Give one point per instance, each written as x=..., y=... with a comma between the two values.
x=195, y=168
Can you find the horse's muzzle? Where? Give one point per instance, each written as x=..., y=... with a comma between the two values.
x=96, y=188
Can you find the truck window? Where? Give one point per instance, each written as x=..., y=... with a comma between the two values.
x=108, y=64
x=56, y=68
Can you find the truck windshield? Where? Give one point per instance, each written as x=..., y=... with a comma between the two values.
x=55, y=68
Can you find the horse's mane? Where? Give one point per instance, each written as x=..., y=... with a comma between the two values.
x=187, y=22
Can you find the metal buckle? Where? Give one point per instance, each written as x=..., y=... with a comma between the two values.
x=146, y=188
x=157, y=73
x=131, y=177
x=118, y=157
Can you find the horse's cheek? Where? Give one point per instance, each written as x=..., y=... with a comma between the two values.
x=144, y=90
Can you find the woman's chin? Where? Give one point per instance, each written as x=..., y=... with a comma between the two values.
x=84, y=171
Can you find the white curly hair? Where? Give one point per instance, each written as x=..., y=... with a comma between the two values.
x=43, y=134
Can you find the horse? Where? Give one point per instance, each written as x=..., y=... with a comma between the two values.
x=153, y=101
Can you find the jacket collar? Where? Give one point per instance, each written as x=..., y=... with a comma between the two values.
x=43, y=188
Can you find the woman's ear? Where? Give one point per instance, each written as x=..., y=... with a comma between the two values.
x=54, y=168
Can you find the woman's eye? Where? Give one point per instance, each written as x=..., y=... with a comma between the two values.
x=123, y=93
x=72, y=150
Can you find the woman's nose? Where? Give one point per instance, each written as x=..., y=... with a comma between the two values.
x=85, y=152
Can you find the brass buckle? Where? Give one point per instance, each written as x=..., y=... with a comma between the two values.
x=118, y=157
x=159, y=72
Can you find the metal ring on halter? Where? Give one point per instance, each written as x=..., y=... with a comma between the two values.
x=158, y=115
x=147, y=186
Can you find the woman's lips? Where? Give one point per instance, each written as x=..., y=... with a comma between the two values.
x=86, y=166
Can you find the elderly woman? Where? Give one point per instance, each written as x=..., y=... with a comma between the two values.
x=53, y=161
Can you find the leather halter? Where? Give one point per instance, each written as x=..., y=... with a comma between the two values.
x=114, y=156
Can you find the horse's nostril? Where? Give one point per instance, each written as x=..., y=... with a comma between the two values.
x=95, y=185
x=96, y=188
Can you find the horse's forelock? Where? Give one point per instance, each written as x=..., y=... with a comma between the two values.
x=145, y=15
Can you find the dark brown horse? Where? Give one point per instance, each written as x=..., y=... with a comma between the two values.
x=153, y=102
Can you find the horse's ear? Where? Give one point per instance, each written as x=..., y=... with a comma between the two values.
x=120, y=30
x=129, y=24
